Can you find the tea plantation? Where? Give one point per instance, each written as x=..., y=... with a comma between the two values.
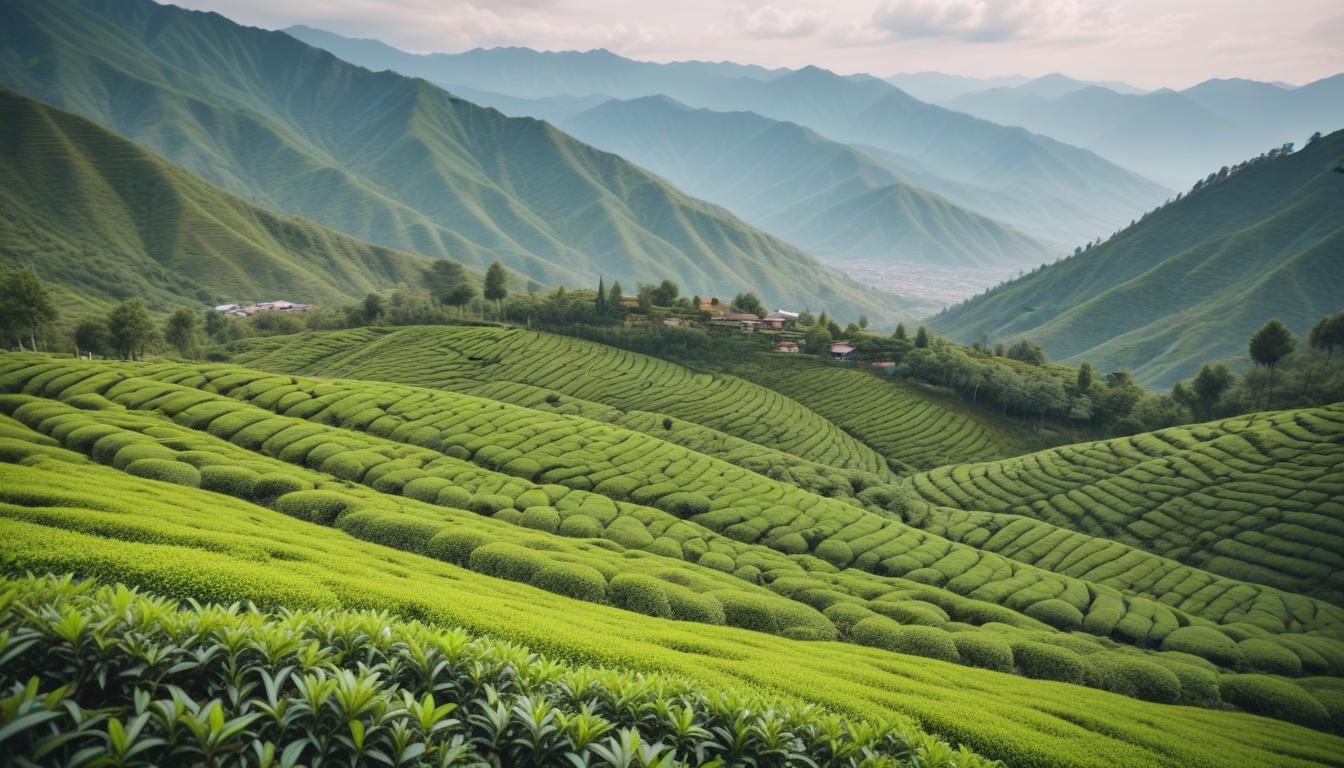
x=602, y=581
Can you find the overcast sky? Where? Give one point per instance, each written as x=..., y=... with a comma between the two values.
x=1149, y=43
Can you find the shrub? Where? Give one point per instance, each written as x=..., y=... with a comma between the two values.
x=1050, y=662
x=688, y=605
x=90, y=401
x=984, y=649
x=426, y=489
x=1057, y=614
x=912, y=612
x=930, y=576
x=134, y=452
x=640, y=593
x=348, y=465
x=507, y=561
x=1333, y=701
x=881, y=632
x=629, y=533
x=273, y=485
x=239, y=482
x=314, y=506
x=748, y=611
x=571, y=580
x=748, y=573
x=790, y=544
x=1272, y=697
x=457, y=498
x=619, y=487
x=541, y=518
x=167, y=470
x=1264, y=655
x=523, y=467
x=835, y=552
x=533, y=497
x=1199, y=687
x=580, y=526
x=684, y=504
x=85, y=438
x=489, y=503
x=455, y=546
x=391, y=530
x=1136, y=677
x=847, y=614
x=718, y=561
x=1204, y=642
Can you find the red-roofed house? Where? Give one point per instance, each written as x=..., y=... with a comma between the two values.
x=843, y=351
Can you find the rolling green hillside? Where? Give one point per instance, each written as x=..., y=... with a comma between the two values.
x=1190, y=282
x=389, y=159
x=828, y=198
x=197, y=466
x=103, y=220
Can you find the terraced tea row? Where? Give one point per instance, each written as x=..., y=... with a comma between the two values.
x=887, y=415
x=463, y=357
x=1257, y=498
x=400, y=468
x=186, y=542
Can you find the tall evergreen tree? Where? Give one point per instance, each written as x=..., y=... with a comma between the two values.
x=600, y=302
x=1084, y=382
x=922, y=338
x=1268, y=346
x=496, y=283
x=182, y=332
x=614, y=297
x=900, y=334
x=1209, y=385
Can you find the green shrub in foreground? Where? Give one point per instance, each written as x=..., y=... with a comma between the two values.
x=167, y=470
x=571, y=580
x=507, y=561
x=984, y=650
x=239, y=482
x=1265, y=695
x=1204, y=642
x=640, y=593
x=1136, y=677
x=882, y=632
x=1057, y=614
x=453, y=545
x=1050, y=662
x=314, y=506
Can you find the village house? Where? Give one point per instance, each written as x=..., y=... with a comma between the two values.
x=779, y=320
x=786, y=346
x=745, y=322
x=248, y=310
x=843, y=351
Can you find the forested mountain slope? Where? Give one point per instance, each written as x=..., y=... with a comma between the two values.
x=101, y=219
x=389, y=159
x=1056, y=191
x=1190, y=282
x=827, y=197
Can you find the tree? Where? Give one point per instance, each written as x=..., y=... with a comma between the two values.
x=644, y=292
x=373, y=308
x=614, y=297
x=1328, y=333
x=818, y=340
x=1027, y=352
x=25, y=305
x=863, y=322
x=922, y=338
x=91, y=336
x=1084, y=382
x=900, y=334
x=449, y=285
x=1268, y=346
x=496, y=283
x=600, y=301
x=806, y=318
x=750, y=303
x=665, y=295
x=130, y=329
x=1208, y=386
x=181, y=330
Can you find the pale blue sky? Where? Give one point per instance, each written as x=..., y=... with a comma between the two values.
x=1150, y=43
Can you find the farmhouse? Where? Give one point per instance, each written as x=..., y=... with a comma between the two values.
x=779, y=320
x=745, y=322
x=843, y=351
x=786, y=346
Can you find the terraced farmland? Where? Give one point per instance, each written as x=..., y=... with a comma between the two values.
x=910, y=429
x=714, y=531
x=887, y=415
x=1257, y=498
x=60, y=511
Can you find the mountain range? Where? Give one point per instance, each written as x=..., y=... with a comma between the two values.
x=101, y=219
x=1045, y=188
x=832, y=199
x=1175, y=137
x=390, y=159
x=1190, y=282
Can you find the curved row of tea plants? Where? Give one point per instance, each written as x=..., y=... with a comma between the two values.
x=111, y=673
x=184, y=542
x=458, y=358
x=865, y=597
x=1258, y=498
x=887, y=415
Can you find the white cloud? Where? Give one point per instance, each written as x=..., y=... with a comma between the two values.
x=991, y=21
x=769, y=21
